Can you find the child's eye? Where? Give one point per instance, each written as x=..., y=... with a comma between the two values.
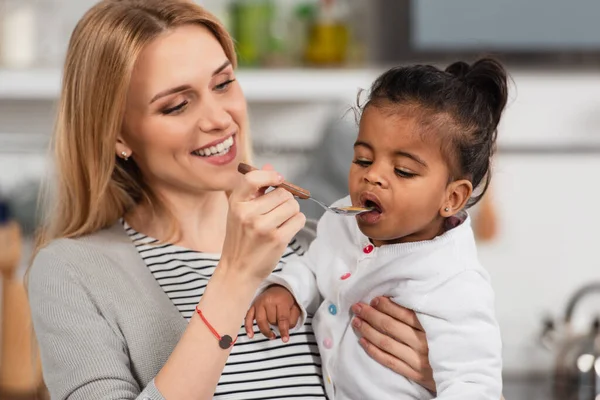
x=404, y=174
x=175, y=110
x=362, y=163
x=223, y=86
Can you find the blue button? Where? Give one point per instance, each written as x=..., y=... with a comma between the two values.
x=332, y=309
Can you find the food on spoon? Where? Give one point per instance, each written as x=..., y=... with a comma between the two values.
x=353, y=208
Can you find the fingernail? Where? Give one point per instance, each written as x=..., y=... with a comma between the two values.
x=280, y=178
x=363, y=342
x=356, y=308
x=375, y=302
x=285, y=339
x=356, y=323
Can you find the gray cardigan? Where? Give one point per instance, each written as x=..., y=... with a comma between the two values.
x=104, y=326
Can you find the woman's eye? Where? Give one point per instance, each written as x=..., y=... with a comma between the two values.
x=404, y=174
x=223, y=86
x=175, y=110
x=362, y=163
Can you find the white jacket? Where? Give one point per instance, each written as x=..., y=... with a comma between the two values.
x=440, y=279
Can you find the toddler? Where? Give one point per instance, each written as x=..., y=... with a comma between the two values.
x=422, y=157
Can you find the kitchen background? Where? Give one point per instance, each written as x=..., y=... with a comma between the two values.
x=301, y=65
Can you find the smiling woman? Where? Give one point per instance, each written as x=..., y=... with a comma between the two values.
x=155, y=245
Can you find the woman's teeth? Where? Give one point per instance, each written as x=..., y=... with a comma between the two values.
x=219, y=150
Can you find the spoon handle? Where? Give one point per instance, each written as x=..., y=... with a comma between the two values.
x=290, y=187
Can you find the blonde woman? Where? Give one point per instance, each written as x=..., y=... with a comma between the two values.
x=156, y=245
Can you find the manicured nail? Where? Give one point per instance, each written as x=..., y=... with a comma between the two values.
x=356, y=323
x=375, y=302
x=356, y=308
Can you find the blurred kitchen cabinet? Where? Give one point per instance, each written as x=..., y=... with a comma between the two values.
x=547, y=244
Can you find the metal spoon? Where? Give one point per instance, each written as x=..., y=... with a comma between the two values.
x=304, y=194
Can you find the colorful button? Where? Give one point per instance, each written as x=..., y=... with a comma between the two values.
x=328, y=343
x=345, y=276
x=368, y=248
x=332, y=309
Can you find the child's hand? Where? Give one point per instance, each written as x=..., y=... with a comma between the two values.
x=275, y=306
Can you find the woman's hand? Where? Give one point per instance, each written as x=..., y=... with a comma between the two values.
x=393, y=336
x=259, y=225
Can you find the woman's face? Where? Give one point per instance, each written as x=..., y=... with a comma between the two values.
x=185, y=119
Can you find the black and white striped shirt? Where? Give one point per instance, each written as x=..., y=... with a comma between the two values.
x=257, y=368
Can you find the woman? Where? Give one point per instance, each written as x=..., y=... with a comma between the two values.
x=151, y=127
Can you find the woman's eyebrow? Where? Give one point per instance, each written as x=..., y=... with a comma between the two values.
x=167, y=92
x=181, y=88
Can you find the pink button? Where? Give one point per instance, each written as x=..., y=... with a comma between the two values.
x=345, y=276
x=368, y=249
x=328, y=343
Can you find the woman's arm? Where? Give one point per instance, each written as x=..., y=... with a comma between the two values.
x=85, y=358
x=259, y=227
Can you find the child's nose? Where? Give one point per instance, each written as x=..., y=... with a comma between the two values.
x=374, y=176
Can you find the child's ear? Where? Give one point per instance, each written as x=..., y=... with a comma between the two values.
x=457, y=195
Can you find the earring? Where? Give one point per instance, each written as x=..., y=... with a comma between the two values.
x=124, y=155
x=446, y=209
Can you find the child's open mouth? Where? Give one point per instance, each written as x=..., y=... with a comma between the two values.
x=371, y=204
x=371, y=201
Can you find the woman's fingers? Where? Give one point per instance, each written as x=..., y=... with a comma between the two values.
x=399, y=366
x=397, y=350
x=279, y=210
x=253, y=182
x=393, y=336
x=387, y=306
x=399, y=330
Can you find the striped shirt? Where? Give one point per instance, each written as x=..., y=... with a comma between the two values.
x=257, y=368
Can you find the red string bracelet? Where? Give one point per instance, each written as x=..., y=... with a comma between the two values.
x=225, y=341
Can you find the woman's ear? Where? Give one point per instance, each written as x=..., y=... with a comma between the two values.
x=122, y=150
x=457, y=195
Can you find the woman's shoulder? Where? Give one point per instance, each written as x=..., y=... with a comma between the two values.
x=73, y=254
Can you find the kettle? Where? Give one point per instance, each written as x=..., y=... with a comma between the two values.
x=577, y=364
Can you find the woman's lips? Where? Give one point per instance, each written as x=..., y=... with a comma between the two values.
x=220, y=158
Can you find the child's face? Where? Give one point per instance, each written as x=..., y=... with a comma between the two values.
x=401, y=174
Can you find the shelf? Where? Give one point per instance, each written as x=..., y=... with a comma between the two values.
x=280, y=85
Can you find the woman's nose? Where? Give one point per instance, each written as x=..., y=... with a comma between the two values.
x=213, y=116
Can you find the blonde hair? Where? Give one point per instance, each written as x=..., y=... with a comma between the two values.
x=94, y=188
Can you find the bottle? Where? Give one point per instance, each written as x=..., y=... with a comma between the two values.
x=17, y=33
x=329, y=35
x=251, y=25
